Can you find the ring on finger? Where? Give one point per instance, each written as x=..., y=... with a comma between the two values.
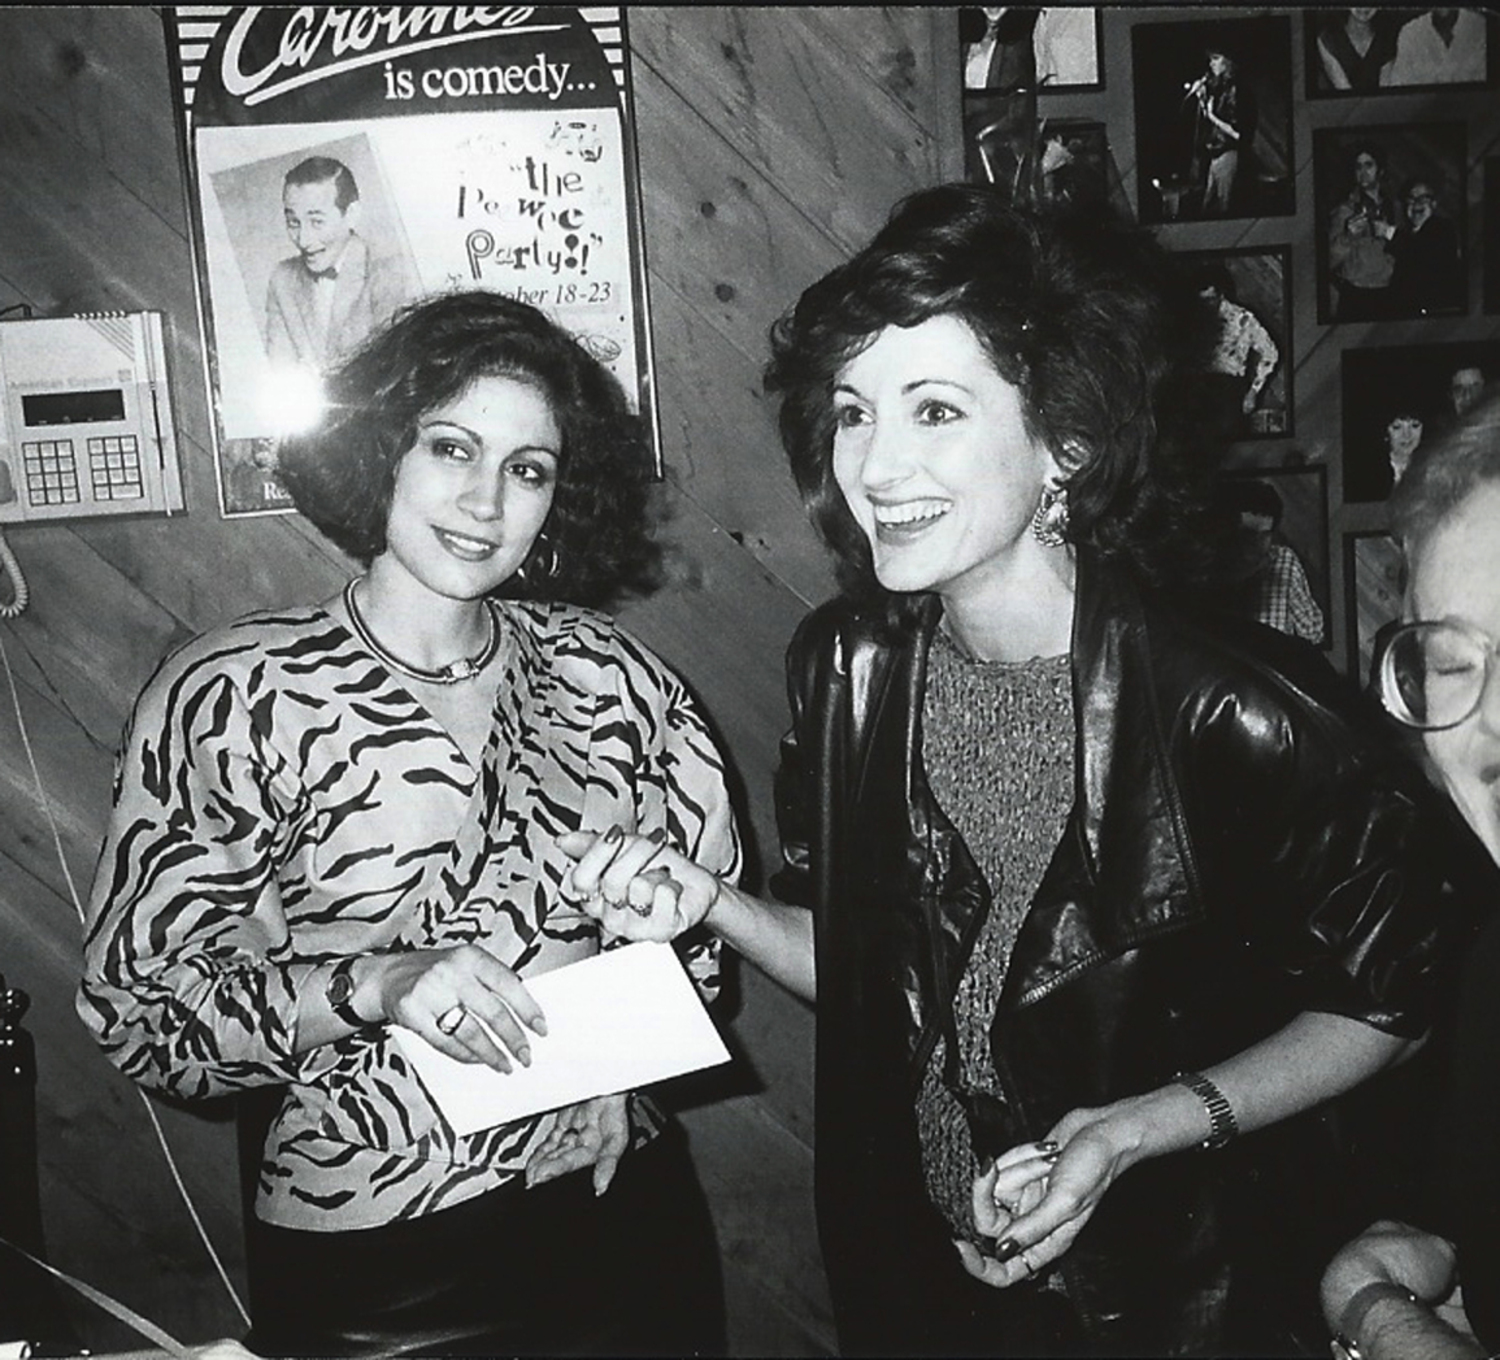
x=449, y=1021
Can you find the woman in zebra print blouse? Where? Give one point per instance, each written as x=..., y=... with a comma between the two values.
x=332, y=818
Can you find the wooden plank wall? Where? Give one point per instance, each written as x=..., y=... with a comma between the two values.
x=771, y=142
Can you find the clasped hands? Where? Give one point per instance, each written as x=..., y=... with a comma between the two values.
x=1035, y=1199
x=637, y=887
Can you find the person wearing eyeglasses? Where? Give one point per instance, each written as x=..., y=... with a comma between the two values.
x=1427, y=272
x=1432, y=1288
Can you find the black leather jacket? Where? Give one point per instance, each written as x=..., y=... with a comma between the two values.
x=1244, y=845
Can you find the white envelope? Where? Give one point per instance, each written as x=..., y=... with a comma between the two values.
x=616, y=1021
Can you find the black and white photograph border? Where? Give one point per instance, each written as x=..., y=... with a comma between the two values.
x=1379, y=385
x=1372, y=596
x=1189, y=167
x=1304, y=525
x=1359, y=51
x=1491, y=235
x=1059, y=47
x=1260, y=282
x=1434, y=153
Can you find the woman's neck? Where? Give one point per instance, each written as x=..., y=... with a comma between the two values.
x=1016, y=611
x=417, y=624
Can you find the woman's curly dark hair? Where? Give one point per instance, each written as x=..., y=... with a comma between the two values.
x=1089, y=319
x=342, y=473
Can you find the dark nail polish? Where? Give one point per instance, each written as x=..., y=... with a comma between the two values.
x=1007, y=1249
x=986, y=1165
x=657, y=837
x=1048, y=1146
x=613, y=836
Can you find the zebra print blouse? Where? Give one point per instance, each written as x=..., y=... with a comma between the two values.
x=281, y=800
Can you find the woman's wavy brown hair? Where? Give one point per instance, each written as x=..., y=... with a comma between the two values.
x=341, y=474
x=1089, y=319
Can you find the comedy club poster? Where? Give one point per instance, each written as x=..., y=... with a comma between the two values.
x=345, y=161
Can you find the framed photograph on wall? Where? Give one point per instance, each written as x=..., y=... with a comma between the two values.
x=1283, y=516
x=1491, y=259
x=1011, y=54
x=1397, y=397
x=1213, y=118
x=1372, y=587
x=1069, y=164
x=1049, y=49
x=1389, y=203
x=1366, y=50
x=328, y=185
x=1247, y=388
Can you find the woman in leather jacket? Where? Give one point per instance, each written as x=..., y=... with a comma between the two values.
x=1094, y=887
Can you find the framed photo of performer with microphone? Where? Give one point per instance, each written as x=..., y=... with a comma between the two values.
x=1213, y=118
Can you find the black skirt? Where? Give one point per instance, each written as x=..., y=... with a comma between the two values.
x=547, y=1271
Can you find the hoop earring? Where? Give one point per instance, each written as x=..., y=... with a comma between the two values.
x=543, y=561
x=1049, y=526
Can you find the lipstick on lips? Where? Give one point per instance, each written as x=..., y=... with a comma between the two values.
x=464, y=547
x=907, y=520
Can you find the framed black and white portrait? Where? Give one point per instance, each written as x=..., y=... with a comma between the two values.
x=1247, y=294
x=1043, y=48
x=1390, y=214
x=1368, y=49
x=1396, y=398
x=1011, y=55
x=1067, y=165
x=1280, y=573
x=1213, y=118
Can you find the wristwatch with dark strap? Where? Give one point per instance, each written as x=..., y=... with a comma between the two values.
x=1344, y=1345
x=340, y=994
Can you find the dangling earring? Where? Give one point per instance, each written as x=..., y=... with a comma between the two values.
x=544, y=562
x=1049, y=526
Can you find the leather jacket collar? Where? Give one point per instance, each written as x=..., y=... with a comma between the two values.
x=1119, y=751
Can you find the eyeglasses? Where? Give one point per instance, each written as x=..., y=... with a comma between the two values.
x=1432, y=675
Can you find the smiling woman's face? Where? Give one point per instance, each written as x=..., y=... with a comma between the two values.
x=1403, y=435
x=934, y=459
x=473, y=491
